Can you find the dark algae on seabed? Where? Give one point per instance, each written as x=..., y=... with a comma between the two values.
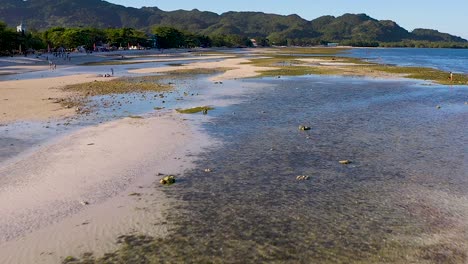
x=400, y=199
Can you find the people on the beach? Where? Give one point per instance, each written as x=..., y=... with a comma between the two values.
x=451, y=76
x=112, y=71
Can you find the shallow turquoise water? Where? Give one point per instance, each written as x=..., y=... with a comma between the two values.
x=405, y=181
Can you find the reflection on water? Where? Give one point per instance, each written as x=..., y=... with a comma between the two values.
x=402, y=199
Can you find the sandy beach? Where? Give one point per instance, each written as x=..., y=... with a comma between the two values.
x=33, y=99
x=237, y=68
x=80, y=190
x=78, y=193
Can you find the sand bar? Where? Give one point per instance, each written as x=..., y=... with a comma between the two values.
x=238, y=68
x=31, y=99
x=74, y=195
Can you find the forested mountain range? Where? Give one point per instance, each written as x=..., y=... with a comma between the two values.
x=278, y=29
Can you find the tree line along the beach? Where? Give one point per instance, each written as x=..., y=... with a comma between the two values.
x=88, y=38
x=205, y=28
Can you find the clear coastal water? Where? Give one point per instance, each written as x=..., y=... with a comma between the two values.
x=401, y=200
x=455, y=60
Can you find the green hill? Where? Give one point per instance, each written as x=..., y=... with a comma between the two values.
x=279, y=29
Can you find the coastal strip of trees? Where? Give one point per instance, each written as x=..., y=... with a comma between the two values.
x=90, y=39
x=165, y=37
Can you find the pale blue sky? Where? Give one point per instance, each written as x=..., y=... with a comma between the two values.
x=450, y=16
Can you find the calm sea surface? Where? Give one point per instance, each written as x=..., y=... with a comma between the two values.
x=402, y=199
x=455, y=60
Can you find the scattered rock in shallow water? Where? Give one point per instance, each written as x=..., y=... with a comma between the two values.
x=304, y=128
x=438, y=107
x=302, y=178
x=168, y=180
x=208, y=170
x=345, y=162
x=84, y=203
x=69, y=259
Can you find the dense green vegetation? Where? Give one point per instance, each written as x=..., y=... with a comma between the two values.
x=93, y=38
x=12, y=40
x=228, y=29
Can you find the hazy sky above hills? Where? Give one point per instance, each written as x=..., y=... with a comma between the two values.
x=450, y=16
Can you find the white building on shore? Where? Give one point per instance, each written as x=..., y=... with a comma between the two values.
x=21, y=28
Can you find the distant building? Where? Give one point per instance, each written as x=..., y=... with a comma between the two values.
x=333, y=44
x=254, y=42
x=21, y=28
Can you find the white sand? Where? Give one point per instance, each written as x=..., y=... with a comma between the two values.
x=238, y=69
x=41, y=195
x=29, y=99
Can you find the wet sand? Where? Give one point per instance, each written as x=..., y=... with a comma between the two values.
x=80, y=192
x=33, y=98
x=237, y=68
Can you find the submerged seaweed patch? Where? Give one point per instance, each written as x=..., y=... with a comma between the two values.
x=195, y=110
x=424, y=73
x=297, y=65
x=251, y=208
x=196, y=71
x=119, y=86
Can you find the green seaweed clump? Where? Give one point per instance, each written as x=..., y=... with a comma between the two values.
x=424, y=73
x=119, y=86
x=168, y=180
x=195, y=110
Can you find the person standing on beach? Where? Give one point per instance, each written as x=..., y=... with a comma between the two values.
x=451, y=76
x=112, y=71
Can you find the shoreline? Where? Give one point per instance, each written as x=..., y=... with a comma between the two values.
x=30, y=99
x=91, y=186
x=82, y=190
